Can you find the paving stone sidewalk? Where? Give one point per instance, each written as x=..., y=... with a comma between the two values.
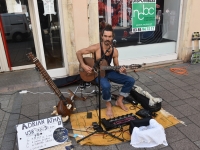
x=180, y=94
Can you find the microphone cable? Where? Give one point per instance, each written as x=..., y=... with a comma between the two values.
x=12, y=112
x=11, y=93
x=138, y=77
x=15, y=113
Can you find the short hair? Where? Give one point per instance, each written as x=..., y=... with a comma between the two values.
x=108, y=27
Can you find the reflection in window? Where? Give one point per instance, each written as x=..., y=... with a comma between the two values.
x=16, y=22
x=118, y=13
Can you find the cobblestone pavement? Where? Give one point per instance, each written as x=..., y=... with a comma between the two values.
x=180, y=94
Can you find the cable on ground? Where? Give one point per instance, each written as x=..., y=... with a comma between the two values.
x=17, y=113
x=180, y=71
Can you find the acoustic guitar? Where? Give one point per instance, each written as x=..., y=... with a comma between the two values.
x=62, y=109
x=103, y=66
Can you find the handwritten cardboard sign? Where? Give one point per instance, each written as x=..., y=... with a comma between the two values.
x=38, y=134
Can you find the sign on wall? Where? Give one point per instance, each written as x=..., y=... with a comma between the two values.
x=49, y=7
x=143, y=15
x=40, y=134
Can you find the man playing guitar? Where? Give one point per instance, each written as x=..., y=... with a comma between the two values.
x=118, y=77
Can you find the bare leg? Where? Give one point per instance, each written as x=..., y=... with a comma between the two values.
x=109, y=111
x=120, y=103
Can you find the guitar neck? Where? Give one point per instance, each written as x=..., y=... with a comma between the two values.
x=113, y=67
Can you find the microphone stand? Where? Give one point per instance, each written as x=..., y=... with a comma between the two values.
x=98, y=127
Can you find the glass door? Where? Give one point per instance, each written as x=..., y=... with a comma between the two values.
x=50, y=31
x=50, y=34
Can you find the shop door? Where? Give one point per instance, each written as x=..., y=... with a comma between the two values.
x=50, y=36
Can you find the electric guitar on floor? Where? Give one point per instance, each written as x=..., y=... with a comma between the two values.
x=62, y=109
x=103, y=66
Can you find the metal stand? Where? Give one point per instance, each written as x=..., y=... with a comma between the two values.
x=97, y=127
x=80, y=87
x=195, y=58
x=139, y=42
x=50, y=34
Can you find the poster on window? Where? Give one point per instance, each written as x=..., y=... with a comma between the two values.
x=143, y=15
x=17, y=7
x=48, y=7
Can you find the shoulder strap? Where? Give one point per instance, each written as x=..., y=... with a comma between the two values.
x=112, y=51
x=95, y=56
x=101, y=49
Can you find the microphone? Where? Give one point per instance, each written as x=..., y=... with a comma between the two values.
x=114, y=42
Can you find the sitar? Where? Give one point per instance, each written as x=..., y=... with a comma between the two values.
x=62, y=109
x=103, y=66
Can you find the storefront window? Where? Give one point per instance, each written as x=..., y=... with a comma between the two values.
x=118, y=13
x=17, y=29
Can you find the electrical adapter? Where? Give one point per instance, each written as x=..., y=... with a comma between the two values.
x=23, y=92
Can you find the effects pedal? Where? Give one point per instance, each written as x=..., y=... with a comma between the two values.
x=97, y=127
x=131, y=100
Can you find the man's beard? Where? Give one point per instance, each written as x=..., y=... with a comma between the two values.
x=107, y=43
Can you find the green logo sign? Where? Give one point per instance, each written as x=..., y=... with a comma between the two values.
x=143, y=15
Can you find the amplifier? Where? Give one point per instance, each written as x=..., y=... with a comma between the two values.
x=117, y=122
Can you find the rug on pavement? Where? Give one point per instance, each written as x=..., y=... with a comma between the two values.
x=79, y=121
